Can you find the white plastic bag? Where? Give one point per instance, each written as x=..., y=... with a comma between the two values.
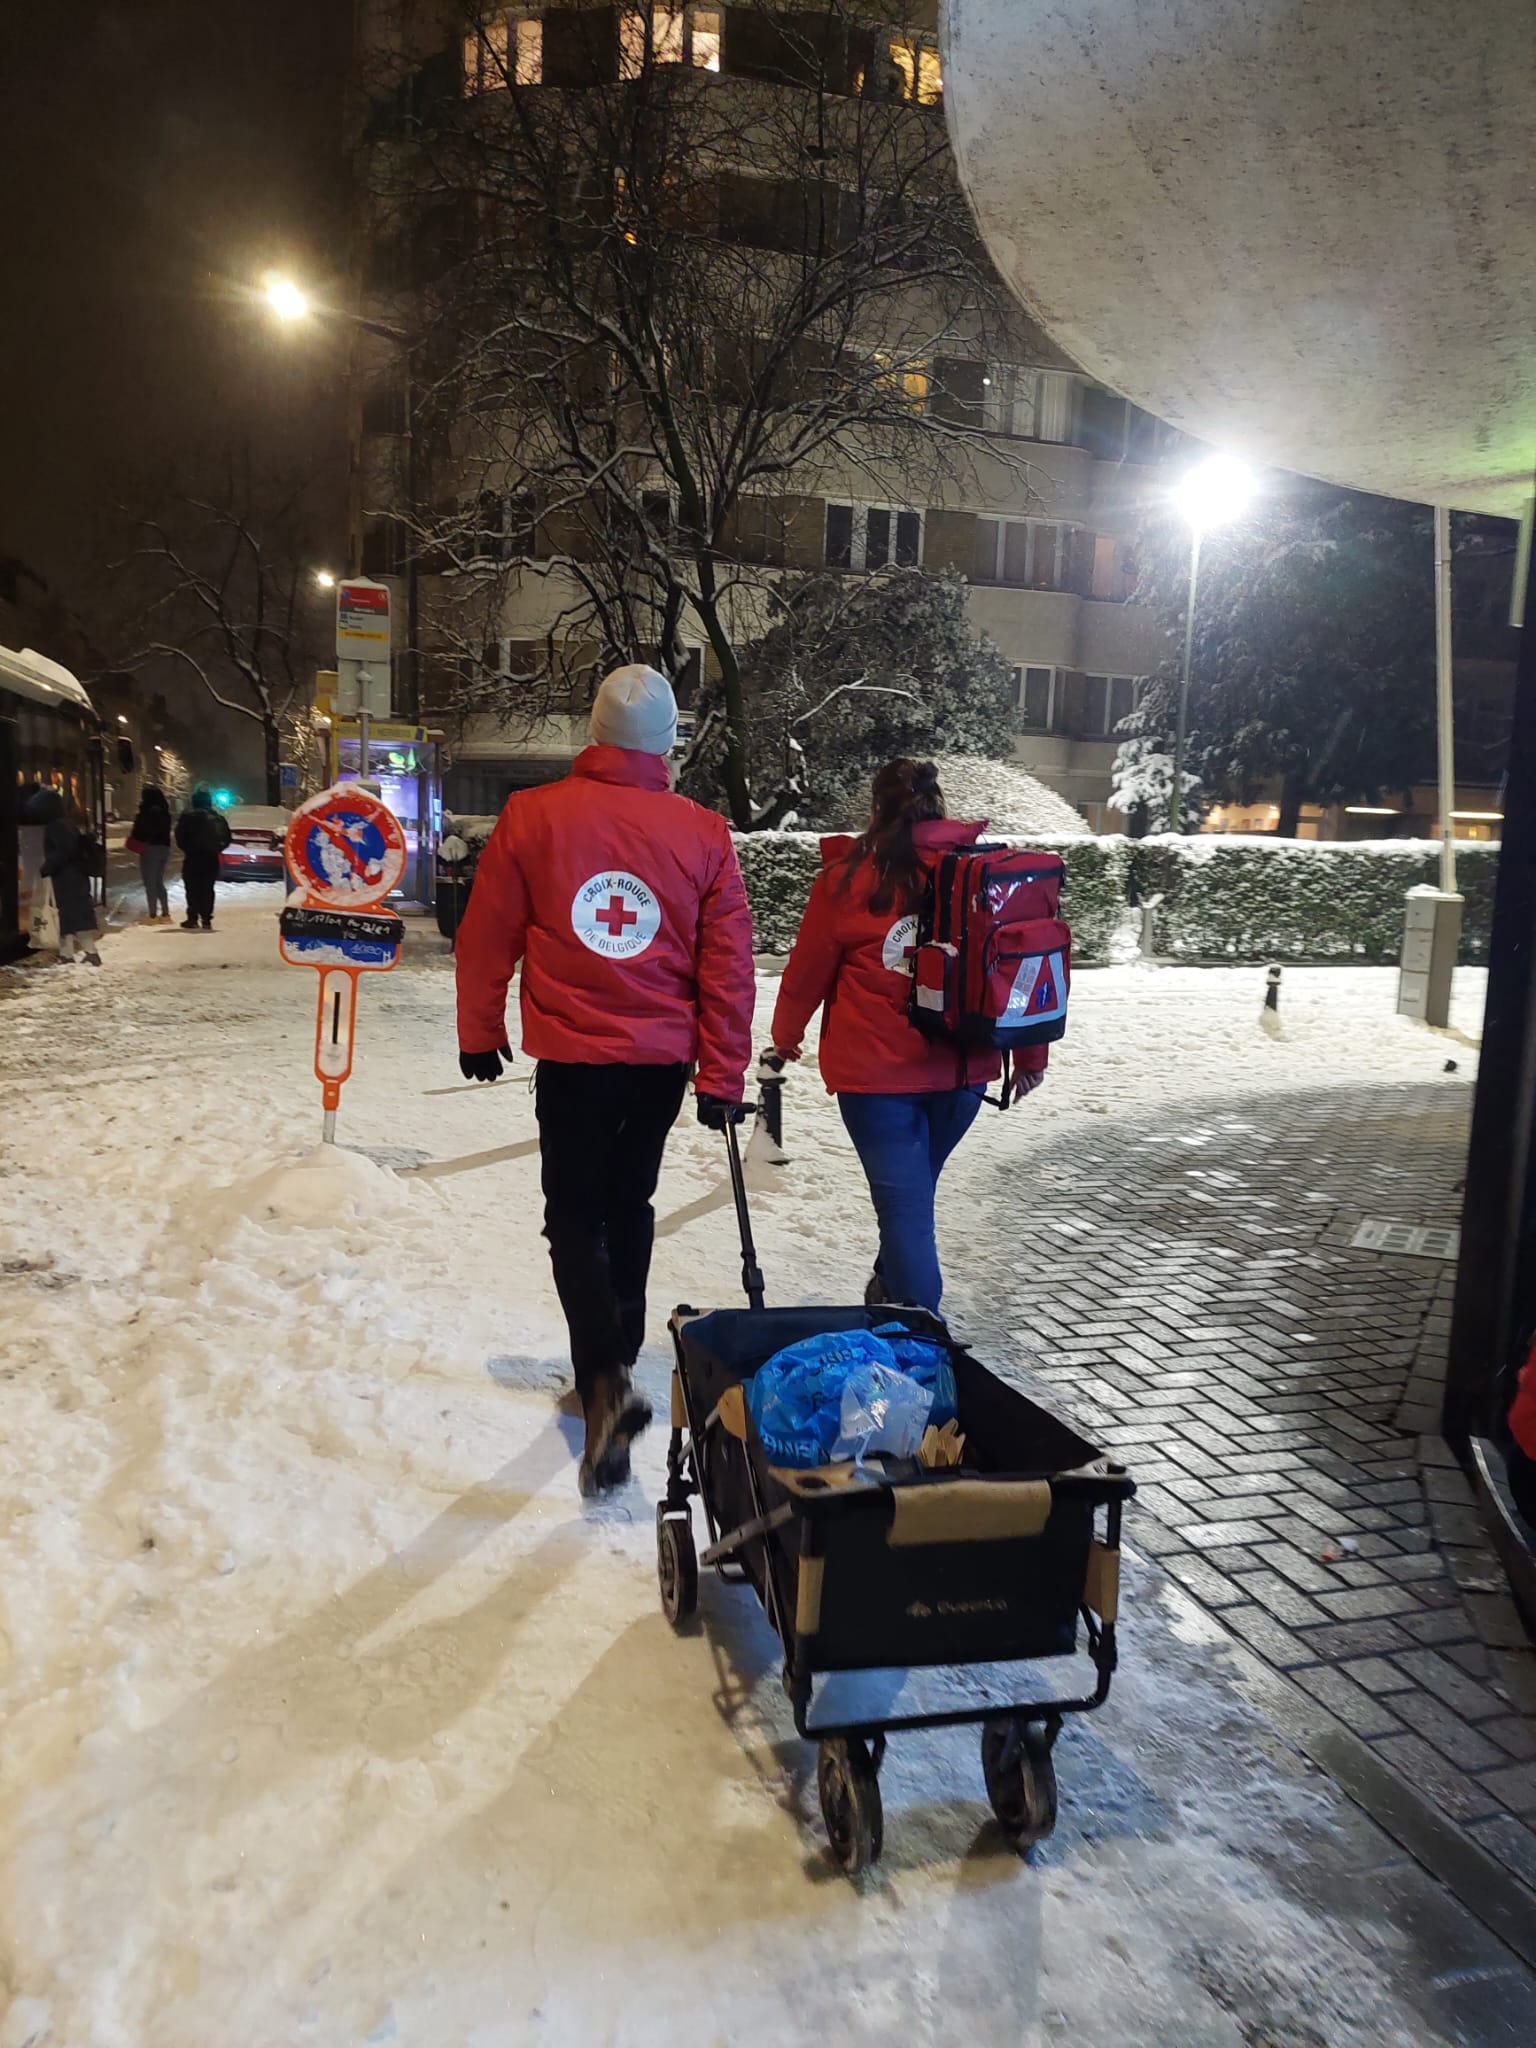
x=884, y=1412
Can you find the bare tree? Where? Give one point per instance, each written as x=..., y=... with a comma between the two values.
x=223, y=588
x=660, y=312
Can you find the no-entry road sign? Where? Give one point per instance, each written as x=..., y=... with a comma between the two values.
x=345, y=848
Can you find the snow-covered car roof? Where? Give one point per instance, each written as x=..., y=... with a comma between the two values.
x=270, y=815
x=33, y=675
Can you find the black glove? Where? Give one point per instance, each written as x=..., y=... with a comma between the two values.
x=484, y=1066
x=715, y=1112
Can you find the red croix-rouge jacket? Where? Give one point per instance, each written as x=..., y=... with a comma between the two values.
x=625, y=906
x=1522, y=1417
x=857, y=961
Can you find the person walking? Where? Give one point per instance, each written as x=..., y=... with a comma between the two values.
x=906, y=1101
x=202, y=833
x=150, y=839
x=65, y=865
x=624, y=905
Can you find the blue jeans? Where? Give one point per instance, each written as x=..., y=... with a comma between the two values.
x=902, y=1142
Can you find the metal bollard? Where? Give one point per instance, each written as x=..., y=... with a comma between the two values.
x=1272, y=990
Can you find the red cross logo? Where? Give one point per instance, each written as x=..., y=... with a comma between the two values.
x=616, y=916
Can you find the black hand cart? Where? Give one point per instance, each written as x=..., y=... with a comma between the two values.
x=993, y=1563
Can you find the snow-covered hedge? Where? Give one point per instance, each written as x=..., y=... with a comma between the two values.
x=779, y=868
x=1281, y=899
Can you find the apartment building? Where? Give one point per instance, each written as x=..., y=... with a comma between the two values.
x=1038, y=520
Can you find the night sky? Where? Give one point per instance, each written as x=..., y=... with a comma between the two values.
x=155, y=156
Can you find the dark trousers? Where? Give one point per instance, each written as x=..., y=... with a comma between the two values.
x=199, y=872
x=602, y=1131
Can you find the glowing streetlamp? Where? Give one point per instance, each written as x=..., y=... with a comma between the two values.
x=284, y=297
x=290, y=303
x=1213, y=493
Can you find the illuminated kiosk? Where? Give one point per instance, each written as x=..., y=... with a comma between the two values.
x=1307, y=235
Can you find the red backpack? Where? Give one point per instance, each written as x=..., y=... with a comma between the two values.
x=993, y=960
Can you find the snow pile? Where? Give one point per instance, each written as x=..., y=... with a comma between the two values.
x=1013, y=802
x=327, y=1187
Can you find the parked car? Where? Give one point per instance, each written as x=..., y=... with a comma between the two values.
x=255, y=849
x=458, y=853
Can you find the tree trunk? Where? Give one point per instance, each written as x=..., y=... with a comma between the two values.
x=733, y=771
x=272, y=747
x=1293, y=793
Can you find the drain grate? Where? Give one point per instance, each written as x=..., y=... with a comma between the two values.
x=1408, y=1240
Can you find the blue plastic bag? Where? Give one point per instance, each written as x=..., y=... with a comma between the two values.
x=925, y=1360
x=796, y=1399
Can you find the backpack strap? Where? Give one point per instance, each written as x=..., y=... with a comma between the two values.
x=1008, y=1090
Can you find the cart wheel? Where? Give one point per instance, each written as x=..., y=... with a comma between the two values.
x=677, y=1570
x=1021, y=1779
x=850, y=1802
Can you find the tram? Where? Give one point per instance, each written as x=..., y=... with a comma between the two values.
x=49, y=734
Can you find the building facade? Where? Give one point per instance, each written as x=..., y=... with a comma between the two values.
x=1038, y=520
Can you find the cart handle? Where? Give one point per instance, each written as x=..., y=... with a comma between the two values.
x=751, y=1271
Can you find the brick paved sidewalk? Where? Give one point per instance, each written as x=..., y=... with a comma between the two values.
x=1197, y=1306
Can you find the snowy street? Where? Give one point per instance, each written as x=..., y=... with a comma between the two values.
x=329, y=1713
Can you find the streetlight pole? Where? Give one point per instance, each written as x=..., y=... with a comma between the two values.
x=412, y=591
x=289, y=303
x=1181, y=734
x=1216, y=490
x=1445, y=710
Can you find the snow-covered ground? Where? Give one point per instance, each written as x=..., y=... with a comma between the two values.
x=331, y=1715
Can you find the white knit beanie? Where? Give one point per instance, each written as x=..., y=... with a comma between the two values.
x=635, y=708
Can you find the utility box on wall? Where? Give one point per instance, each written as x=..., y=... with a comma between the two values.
x=1431, y=939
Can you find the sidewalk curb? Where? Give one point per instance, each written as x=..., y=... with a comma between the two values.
x=1504, y=1905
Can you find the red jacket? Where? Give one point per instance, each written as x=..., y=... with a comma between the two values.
x=625, y=905
x=857, y=962
x=1522, y=1416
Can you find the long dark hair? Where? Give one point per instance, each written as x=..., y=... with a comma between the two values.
x=905, y=793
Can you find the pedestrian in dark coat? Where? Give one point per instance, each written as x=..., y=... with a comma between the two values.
x=65, y=867
x=150, y=839
x=202, y=833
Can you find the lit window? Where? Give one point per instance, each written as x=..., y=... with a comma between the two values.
x=667, y=28
x=704, y=25
x=528, y=50
x=631, y=42
x=485, y=57
x=508, y=49
x=667, y=34
x=918, y=63
x=910, y=380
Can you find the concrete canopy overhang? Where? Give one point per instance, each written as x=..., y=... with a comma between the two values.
x=1302, y=230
